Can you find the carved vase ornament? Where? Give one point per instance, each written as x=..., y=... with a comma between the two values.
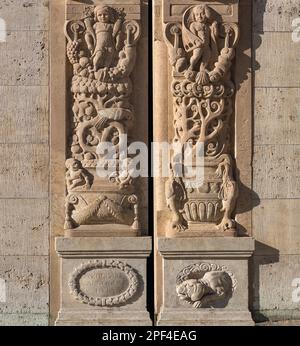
x=201, y=51
x=101, y=48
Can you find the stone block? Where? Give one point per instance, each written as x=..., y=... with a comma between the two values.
x=205, y=281
x=103, y=281
x=276, y=225
x=26, y=284
x=276, y=171
x=274, y=15
x=273, y=286
x=282, y=125
x=22, y=320
x=30, y=65
x=25, y=15
x=24, y=170
x=24, y=114
x=24, y=227
x=279, y=49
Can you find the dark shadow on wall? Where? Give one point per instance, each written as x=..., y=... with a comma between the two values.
x=147, y=18
x=246, y=65
x=263, y=255
x=259, y=9
x=249, y=64
x=249, y=200
x=87, y=2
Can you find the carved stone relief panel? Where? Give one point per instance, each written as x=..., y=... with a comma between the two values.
x=102, y=52
x=205, y=281
x=205, y=285
x=201, y=37
x=103, y=280
x=104, y=283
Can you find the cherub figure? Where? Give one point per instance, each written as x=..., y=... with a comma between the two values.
x=106, y=30
x=76, y=175
x=199, y=37
x=213, y=287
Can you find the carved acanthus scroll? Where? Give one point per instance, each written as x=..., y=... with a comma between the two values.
x=201, y=51
x=101, y=47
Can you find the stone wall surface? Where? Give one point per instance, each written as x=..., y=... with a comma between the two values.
x=24, y=155
x=276, y=168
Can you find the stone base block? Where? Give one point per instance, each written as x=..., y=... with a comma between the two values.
x=103, y=281
x=205, y=281
x=102, y=231
x=103, y=318
x=211, y=317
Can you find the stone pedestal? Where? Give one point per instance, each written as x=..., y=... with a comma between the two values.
x=103, y=281
x=205, y=281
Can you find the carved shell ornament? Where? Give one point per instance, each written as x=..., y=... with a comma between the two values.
x=205, y=285
x=104, y=283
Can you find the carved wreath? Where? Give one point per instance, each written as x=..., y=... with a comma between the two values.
x=119, y=299
x=204, y=284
